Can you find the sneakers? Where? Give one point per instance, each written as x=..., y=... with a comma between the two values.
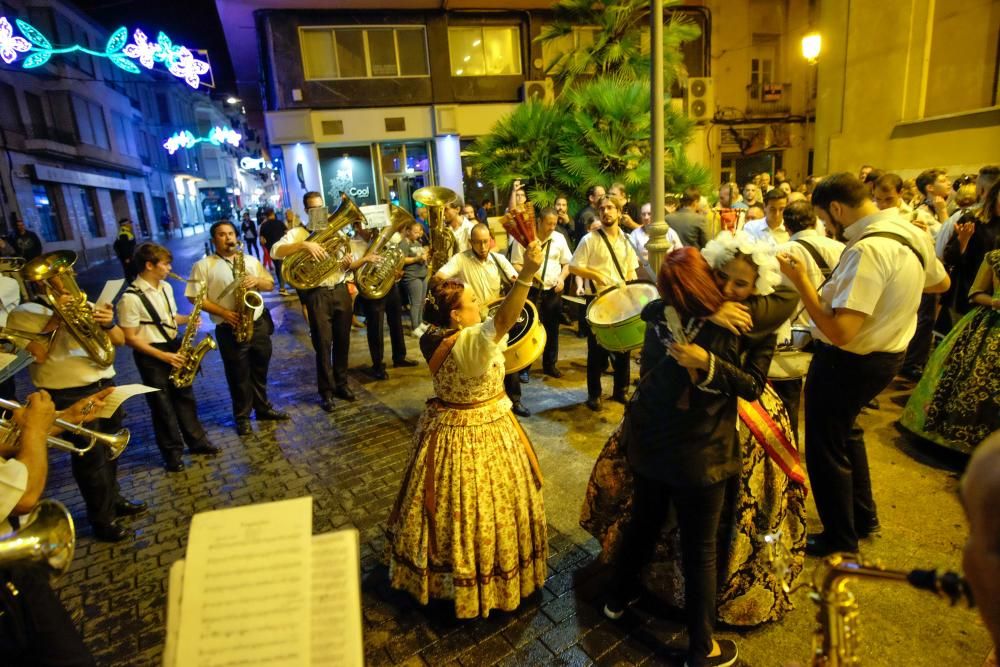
x=283, y=292
x=419, y=331
x=618, y=602
x=728, y=654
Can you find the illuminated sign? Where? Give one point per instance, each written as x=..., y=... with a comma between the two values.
x=251, y=164
x=217, y=136
x=179, y=60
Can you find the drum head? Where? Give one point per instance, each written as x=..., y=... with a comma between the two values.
x=524, y=321
x=620, y=303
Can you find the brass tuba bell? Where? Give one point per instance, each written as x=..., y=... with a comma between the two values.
x=375, y=280
x=46, y=536
x=443, y=243
x=302, y=270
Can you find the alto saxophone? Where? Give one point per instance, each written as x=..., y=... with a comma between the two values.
x=193, y=354
x=247, y=301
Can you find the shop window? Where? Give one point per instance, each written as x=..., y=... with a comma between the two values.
x=88, y=201
x=485, y=51
x=363, y=53
x=50, y=226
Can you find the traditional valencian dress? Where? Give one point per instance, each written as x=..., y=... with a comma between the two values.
x=956, y=404
x=469, y=521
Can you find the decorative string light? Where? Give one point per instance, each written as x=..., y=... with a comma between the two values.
x=179, y=60
x=217, y=136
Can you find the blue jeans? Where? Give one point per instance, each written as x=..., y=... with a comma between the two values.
x=416, y=289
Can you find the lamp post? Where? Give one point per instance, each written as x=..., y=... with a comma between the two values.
x=657, y=245
x=811, y=46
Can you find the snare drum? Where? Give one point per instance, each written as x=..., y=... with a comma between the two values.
x=525, y=340
x=614, y=315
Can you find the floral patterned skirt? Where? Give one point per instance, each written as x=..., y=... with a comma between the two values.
x=762, y=500
x=469, y=521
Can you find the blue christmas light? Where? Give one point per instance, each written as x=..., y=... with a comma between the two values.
x=217, y=136
x=178, y=60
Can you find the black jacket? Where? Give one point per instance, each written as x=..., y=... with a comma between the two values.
x=679, y=433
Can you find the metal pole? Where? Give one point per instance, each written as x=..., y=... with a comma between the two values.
x=657, y=245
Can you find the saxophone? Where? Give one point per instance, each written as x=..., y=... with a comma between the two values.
x=247, y=301
x=301, y=270
x=193, y=354
x=375, y=280
x=443, y=243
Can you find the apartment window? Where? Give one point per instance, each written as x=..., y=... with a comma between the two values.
x=50, y=228
x=964, y=62
x=88, y=200
x=363, y=53
x=10, y=114
x=163, y=108
x=126, y=134
x=485, y=51
x=36, y=113
x=90, y=126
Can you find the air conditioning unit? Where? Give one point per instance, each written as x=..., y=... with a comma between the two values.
x=540, y=91
x=701, y=98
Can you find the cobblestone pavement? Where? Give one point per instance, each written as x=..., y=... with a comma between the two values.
x=351, y=462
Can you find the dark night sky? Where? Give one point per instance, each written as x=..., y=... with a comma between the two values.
x=193, y=23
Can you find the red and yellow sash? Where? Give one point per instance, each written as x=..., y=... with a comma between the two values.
x=773, y=439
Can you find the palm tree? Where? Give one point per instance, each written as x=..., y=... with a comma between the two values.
x=619, y=45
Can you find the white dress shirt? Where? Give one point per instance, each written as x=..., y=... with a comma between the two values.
x=298, y=235
x=592, y=253
x=10, y=296
x=760, y=230
x=482, y=276
x=558, y=255
x=13, y=484
x=462, y=233
x=132, y=312
x=218, y=273
x=829, y=249
x=639, y=238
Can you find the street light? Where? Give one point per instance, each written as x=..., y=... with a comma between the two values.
x=232, y=100
x=811, y=45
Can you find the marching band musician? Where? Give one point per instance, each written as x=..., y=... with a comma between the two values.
x=552, y=277
x=10, y=297
x=246, y=363
x=65, y=370
x=35, y=628
x=148, y=316
x=606, y=257
x=329, y=310
x=379, y=311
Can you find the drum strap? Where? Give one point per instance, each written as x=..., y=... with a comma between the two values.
x=824, y=268
x=505, y=283
x=611, y=250
x=545, y=264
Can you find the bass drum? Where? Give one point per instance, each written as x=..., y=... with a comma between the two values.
x=615, y=315
x=525, y=340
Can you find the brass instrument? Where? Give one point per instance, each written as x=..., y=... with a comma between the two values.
x=836, y=640
x=115, y=442
x=375, y=280
x=302, y=270
x=11, y=264
x=193, y=354
x=247, y=301
x=46, y=536
x=14, y=335
x=443, y=242
x=53, y=273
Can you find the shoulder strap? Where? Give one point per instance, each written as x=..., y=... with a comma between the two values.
x=614, y=257
x=442, y=352
x=818, y=258
x=545, y=248
x=154, y=317
x=503, y=276
x=898, y=239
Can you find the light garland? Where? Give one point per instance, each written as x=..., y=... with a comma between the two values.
x=217, y=136
x=179, y=60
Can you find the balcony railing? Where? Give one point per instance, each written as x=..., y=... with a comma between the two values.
x=766, y=99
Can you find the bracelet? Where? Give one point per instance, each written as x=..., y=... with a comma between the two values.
x=524, y=283
x=113, y=325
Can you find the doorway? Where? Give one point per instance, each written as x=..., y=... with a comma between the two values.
x=404, y=168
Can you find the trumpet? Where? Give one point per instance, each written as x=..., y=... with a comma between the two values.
x=115, y=442
x=46, y=536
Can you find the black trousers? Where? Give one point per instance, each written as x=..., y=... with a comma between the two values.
x=246, y=365
x=790, y=392
x=330, y=315
x=277, y=272
x=919, y=349
x=35, y=628
x=699, y=510
x=549, y=305
x=377, y=313
x=175, y=415
x=838, y=385
x=250, y=245
x=597, y=361
x=95, y=473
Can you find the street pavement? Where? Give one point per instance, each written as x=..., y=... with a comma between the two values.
x=351, y=463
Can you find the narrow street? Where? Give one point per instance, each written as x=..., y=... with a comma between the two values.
x=351, y=462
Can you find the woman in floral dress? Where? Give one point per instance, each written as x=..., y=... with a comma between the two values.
x=469, y=522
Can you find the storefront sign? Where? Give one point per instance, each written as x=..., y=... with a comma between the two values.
x=57, y=175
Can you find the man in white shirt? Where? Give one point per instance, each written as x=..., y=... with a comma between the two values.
x=935, y=186
x=606, y=257
x=246, y=363
x=550, y=280
x=485, y=272
x=10, y=297
x=863, y=318
x=639, y=237
x=772, y=227
x=459, y=225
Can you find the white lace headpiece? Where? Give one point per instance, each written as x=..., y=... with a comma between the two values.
x=723, y=248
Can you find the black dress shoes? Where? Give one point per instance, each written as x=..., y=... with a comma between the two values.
x=111, y=532
x=552, y=371
x=128, y=508
x=404, y=363
x=343, y=392
x=818, y=545
x=519, y=410
x=270, y=414
x=594, y=403
x=326, y=402
x=174, y=465
x=378, y=372
x=204, y=449
x=243, y=427
x=524, y=377
x=619, y=397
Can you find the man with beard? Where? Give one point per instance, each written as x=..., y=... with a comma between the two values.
x=606, y=257
x=564, y=224
x=863, y=318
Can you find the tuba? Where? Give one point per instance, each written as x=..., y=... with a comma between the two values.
x=247, y=301
x=193, y=354
x=54, y=274
x=46, y=536
x=443, y=243
x=302, y=270
x=11, y=264
x=375, y=280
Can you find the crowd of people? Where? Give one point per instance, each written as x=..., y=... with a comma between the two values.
x=829, y=291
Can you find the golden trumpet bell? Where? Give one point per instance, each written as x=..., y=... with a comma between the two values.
x=46, y=536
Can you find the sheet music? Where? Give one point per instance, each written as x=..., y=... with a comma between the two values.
x=336, y=600
x=175, y=583
x=110, y=291
x=246, y=586
x=121, y=394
